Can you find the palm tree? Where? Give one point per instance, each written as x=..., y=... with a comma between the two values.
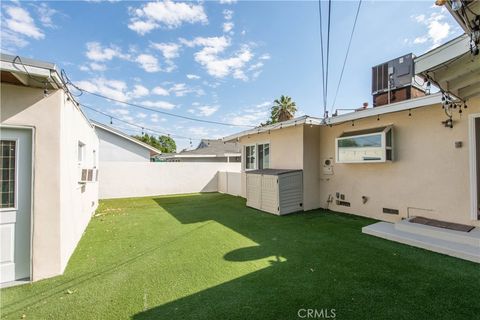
x=283, y=109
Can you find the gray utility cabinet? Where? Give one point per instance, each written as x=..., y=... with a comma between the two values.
x=276, y=191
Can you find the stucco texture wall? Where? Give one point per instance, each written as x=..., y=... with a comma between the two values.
x=115, y=148
x=78, y=201
x=428, y=177
x=58, y=216
x=139, y=179
x=294, y=147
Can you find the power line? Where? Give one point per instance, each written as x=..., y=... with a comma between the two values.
x=321, y=48
x=137, y=125
x=346, y=54
x=328, y=55
x=154, y=110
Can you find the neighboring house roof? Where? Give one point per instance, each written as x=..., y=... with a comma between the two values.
x=114, y=131
x=284, y=124
x=209, y=148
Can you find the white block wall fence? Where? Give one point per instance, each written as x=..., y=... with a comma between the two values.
x=139, y=179
x=230, y=182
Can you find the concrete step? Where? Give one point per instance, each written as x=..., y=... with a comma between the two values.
x=471, y=238
x=388, y=231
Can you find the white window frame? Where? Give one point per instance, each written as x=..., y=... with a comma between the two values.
x=81, y=152
x=258, y=158
x=473, y=166
x=256, y=154
x=383, y=146
x=246, y=157
x=17, y=148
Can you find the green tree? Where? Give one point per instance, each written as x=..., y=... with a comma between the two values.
x=163, y=143
x=283, y=109
x=167, y=144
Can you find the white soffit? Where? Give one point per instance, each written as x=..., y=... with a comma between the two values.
x=452, y=67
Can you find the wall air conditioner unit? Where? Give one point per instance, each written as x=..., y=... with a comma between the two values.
x=90, y=175
x=83, y=176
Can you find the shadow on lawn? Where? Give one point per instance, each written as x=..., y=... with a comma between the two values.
x=329, y=264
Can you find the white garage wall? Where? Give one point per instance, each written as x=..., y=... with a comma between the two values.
x=137, y=179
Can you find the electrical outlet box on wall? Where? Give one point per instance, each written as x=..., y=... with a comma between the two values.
x=327, y=166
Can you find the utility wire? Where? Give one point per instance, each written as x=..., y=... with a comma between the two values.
x=346, y=54
x=328, y=55
x=155, y=110
x=322, y=51
x=137, y=125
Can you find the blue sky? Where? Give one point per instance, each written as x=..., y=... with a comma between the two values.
x=221, y=61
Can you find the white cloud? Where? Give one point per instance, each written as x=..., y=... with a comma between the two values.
x=96, y=52
x=139, y=91
x=437, y=29
x=142, y=27
x=158, y=104
x=216, y=66
x=115, y=89
x=207, y=110
x=165, y=13
x=155, y=118
x=141, y=115
x=20, y=21
x=160, y=91
x=228, y=26
x=228, y=1
x=418, y=40
x=227, y=14
x=119, y=111
x=181, y=89
x=251, y=116
x=148, y=63
x=169, y=50
x=46, y=13
x=193, y=77
x=98, y=66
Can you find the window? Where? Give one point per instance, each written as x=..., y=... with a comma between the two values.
x=264, y=156
x=371, y=145
x=250, y=157
x=81, y=151
x=7, y=173
x=257, y=156
x=94, y=158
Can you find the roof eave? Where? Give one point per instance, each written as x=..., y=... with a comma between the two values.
x=284, y=124
x=424, y=101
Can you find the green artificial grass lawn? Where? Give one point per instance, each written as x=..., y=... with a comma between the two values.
x=209, y=257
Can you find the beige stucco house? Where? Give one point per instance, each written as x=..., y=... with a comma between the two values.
x=418, y=157
x=49, y=171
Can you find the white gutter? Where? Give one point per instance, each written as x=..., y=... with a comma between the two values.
x=442, y=54
x=284, y=124
x=431, y=99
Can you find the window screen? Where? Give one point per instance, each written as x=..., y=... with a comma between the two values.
x=250, y=157
x=264, y=156
x=7, y=173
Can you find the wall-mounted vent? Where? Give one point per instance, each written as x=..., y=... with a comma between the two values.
x=390, y=211
x=343, y=203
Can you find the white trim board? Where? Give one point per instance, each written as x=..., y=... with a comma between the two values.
x=473, y=166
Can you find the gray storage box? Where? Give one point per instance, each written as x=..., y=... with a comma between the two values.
x=277, y=191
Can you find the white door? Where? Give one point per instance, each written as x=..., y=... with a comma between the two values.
x=15, y=203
